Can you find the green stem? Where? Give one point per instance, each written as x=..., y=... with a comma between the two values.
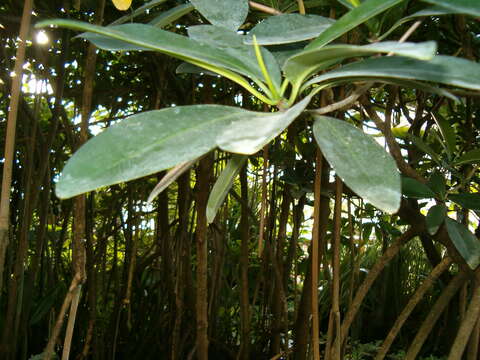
x=263, y=68
x=284, y=86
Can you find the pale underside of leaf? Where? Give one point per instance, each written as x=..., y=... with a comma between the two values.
x=446, y=70
x=149, y=142
x=288, y=28
x=301, y=65
x=232, y=44
x=229, y=14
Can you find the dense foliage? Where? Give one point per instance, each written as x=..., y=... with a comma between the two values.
x=262, y=180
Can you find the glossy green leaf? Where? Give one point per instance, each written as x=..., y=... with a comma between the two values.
x=232, y=44
x=223, y=184
x=437, y=184
x=360, y=161
x=229, y=14
x=435, y=217
x=446, y=70
x=470, y=157
x=288, y=28
x=283, y=52
x=465, y=242
x=146, y=37
x=251, y=134
x=301, y=65
x=152, y=141
x=415, y=189
x=352, y=19
x=469, y=201
x=469, y=7
x=171, y=15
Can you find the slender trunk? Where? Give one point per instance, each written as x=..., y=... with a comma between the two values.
x=467, y=326
x=203, y=179
x=182, y=266
x=414, y=300
x=16, y=282
x=315, y=262
x=434, y=314
x=336, y=270
x=244, y=297
x=301, y=329
x=10, y=138
x=374, y=272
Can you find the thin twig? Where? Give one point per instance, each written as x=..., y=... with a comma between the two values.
x=339, y=105
x=301, y=7
x=263, y=8
x=395, y=150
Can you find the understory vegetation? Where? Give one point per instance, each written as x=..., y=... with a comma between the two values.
x=271, y=179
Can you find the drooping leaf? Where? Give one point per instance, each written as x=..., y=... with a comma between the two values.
x=446, y=70
x=156, y=140
x=352, y=19
x=229, y=14
x=422, y=145
x=469, y=7
x=232, y=44
x=415, y=189
x=465, y=242
x=288, y=28
x=169, y=178
x=146, y=37
x=171, y=15
x=437, y=184
x=304, y=63
x=138, y=11
x=470, y=157
x=360, y=161
x=469, y=201
x=187, y=68
x=223, y=184
x=435, y=217
x=431, y=11
x=447, y=131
